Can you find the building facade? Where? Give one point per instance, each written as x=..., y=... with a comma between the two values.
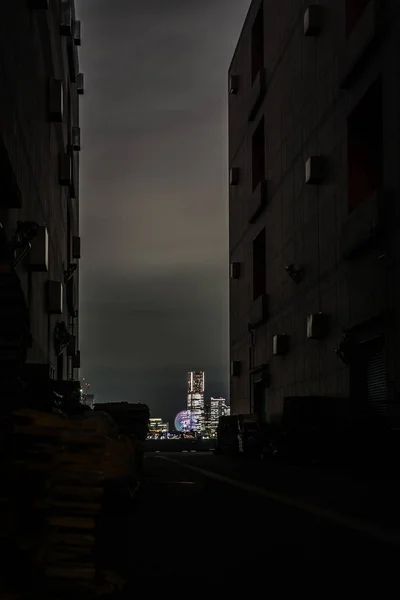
x=157, y=427
x=41, y=85
x=217, y=408
x=314, y=149
x=195, y=400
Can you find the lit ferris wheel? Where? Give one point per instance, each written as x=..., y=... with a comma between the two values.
x=185, y=421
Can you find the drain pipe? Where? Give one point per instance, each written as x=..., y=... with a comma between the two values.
x=251, y=347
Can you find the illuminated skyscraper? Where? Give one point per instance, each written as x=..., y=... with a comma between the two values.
x=195, y=399
x=218, y=408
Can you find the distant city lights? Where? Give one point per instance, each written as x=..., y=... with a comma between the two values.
x=185, y=421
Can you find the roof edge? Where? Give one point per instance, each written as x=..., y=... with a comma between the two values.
x=247, y=17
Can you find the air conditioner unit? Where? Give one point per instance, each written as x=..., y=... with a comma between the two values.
x=317, y=326
x=233, y=84
x=280, y=344
x=315, y=169
x=65, y=169
x=76, y=138
x=55, y=297
x=312, y=20
x=235, y=270
x=56, y=100
x=38, y=4
x=234, y=176
x=80, y=84
x=235, y=368
x=39, y=254
x=76, y=247
x=76, y=32
x=66, y=17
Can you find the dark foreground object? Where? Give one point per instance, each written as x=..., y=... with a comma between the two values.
x=181, y=515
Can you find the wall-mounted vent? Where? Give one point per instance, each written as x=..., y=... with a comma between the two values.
x=66, y=18
x=312, y=20
x=56, y=100
x=233, y=84
x=76, y=247
x=280, y=344
x=235, y=270
x=77, y=33
x=76, y=138
x=39, y=254
x=235, y=368
x=315, y=169
x=80, y=84
x=55, y=297
x=234, y=175
x=317, y=326
x=65, y=169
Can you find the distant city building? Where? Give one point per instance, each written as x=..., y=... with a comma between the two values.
x=158, y=427
x=217, y=408
x=195, y=400
x=88, y=400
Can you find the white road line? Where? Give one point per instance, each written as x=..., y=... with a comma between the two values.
x=328, y=515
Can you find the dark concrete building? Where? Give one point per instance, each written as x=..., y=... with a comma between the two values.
x=314, y=155
x=39, y=204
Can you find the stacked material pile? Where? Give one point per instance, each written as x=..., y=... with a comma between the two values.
x=57, y=470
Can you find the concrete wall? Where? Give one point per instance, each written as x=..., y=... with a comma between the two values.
x=33, y=52
x=305, y=110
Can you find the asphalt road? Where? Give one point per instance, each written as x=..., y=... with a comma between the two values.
x=193, y=517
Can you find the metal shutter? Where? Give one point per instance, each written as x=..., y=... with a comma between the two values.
x=376, y=382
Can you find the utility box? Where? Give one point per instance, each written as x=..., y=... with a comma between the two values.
x=76, y=138
x=280, y=344
x=315, y=169
x=77, y=32
x=317, y=326
x=80, y=84
x=312, y=20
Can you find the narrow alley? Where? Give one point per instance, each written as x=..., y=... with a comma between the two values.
x=191, y=510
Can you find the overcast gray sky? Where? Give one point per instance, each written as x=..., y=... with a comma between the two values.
x=154, y=223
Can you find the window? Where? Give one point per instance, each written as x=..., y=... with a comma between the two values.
x=258, y=154
x=364, y=147
x=257, y=44
x=354, y=11
x=259, y=265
